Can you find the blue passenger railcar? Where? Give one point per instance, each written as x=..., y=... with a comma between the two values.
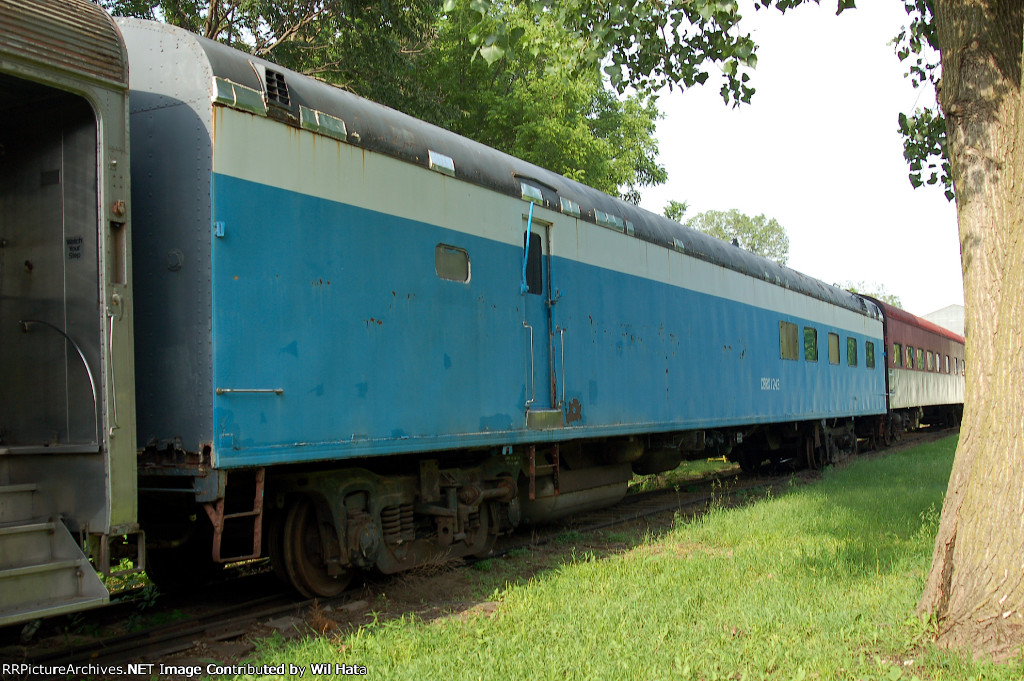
x=456, y=338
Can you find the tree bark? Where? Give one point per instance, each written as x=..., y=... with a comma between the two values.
x=976, y=583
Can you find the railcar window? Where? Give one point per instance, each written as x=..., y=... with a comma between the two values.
x=947, y=364
x=920, y=358
x=810, y=344
x=869, y=355
x=788, y=345
x=451, y=263
x=833, y=348
x=897, y=355
x=534, y=267
x=910, y=357
x=851, y=351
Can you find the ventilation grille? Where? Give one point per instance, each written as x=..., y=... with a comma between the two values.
x=277, y=89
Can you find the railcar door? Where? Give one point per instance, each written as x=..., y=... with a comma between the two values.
x=542, y=408
x=49, y=300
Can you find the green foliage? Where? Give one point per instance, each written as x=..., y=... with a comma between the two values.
x=641, y=44
x=924, y=131
x=539, y=108
x=873, y=289
x=760, y=234
x=676, y=210
x=924, y=147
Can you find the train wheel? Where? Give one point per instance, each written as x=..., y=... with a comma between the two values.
x=813, y=455
x=483, y=541
x=304, y=559
x=809, y=452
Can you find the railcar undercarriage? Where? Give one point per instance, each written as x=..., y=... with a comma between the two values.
x=320, y=525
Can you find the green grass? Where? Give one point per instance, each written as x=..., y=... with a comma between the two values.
x=817, y=583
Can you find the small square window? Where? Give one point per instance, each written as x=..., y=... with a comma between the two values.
x=928, y=360
x=869, y=355
x=897, y=355
x=920, y=359
x=833, y=348
x=851, y=351
x=910, y=357
x=810, y=344
x=451, y=263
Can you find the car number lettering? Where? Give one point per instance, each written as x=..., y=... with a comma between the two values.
x=771, y=383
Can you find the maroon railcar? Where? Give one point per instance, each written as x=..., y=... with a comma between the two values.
x=925, y=378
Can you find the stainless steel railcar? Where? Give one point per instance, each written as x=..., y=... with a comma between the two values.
x=67, y=415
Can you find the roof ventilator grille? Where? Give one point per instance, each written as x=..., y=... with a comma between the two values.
x=277, y=89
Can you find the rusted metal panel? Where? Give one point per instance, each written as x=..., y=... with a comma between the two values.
x=71, y=35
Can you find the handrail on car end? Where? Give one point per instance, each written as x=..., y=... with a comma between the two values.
x=88, y=370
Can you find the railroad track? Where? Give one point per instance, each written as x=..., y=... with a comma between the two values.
x=233, y=612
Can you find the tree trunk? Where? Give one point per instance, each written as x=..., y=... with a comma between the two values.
x=976, y=583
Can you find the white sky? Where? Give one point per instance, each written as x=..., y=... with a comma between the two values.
x=818, y=150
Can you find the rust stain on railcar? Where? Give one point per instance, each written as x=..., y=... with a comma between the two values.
x=573, y=411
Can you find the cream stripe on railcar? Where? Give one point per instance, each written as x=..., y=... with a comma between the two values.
x=307, y=163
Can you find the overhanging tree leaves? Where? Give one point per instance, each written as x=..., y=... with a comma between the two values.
x=641, y=44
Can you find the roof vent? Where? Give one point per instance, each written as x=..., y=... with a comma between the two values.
x=570, y=207
x=277, y=89
x=531, y=193
x=610, y=221
x=441, y=163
